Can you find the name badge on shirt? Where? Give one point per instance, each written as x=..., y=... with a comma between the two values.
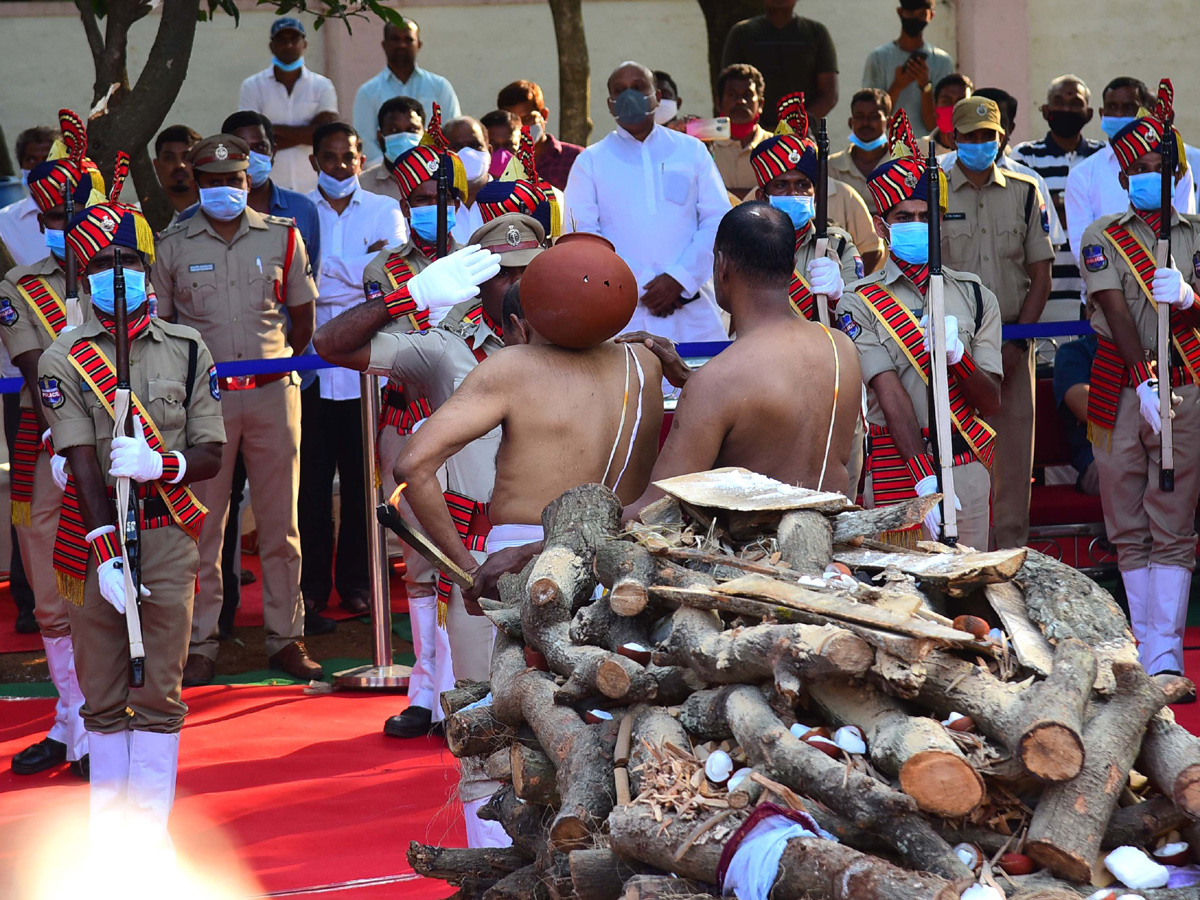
x=954, y=217
x=201, y=267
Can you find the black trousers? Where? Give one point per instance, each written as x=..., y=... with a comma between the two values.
x=22, y=593
x=331, y=439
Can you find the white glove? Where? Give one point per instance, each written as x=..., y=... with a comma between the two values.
x=825, y=277
x=58, y=470
x=131, y=457
x=112, y=583
x=1147, y=393
x=1169, y=288
x=452, y=279
x=933, y=518
x=954, y=347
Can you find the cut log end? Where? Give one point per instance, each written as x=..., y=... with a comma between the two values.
x=942, y=783
x=612, y=679
x=570, y=832
x=1187, y=791
x=544, y=592
x=848, y=653
x=1063, y=863
x=1052, y=752
x=628, y=599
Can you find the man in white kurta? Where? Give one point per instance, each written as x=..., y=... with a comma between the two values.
x=657, y=195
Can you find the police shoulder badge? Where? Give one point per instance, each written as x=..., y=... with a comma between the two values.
x=1196, y=264
x=1094, y=259
x=213, y=385
x=8, y=313
x=858, y=266
x=1045, y=219
x=52, y=395
x=847, y=324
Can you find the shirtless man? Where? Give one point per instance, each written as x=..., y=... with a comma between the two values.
x=783, y=399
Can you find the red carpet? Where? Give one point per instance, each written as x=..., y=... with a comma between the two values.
x=302, y=791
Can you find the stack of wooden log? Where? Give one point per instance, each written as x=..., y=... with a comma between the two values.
x=1011, y=737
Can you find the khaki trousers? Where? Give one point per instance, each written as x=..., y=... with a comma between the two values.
x=1144, y=524
x=418, y=572
x=1012, y=463
x=169, y=561
x=264, y=423
x=972, y=486
x=37, y=550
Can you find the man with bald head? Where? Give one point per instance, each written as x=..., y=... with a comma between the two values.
x=467, y=137
x=657, y=195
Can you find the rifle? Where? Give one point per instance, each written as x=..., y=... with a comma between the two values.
x=71, y=262
x=128, y=513
x=1166, y=474
x=821, y=214
x=443, y=203
x=939, y=381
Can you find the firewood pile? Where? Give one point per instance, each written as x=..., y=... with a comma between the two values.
x=955, y=723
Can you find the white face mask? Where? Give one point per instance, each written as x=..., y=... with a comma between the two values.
x=666, y=111
x=537, y=131
x=475, y=162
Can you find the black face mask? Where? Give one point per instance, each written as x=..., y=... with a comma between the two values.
x=912, y=27
x=1065, y=123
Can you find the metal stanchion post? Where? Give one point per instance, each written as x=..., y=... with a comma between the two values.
x=383, y=673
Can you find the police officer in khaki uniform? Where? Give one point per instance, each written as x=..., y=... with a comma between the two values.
x=997, y=226
x=229, y=272
x=884, y=314
x=176, y=442
x=1153, y=531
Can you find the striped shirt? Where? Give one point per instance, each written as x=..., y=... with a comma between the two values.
x=1050, y=161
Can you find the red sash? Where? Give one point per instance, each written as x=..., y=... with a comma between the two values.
x=26, y=446
x=50, y=308
x=471, y=521
x=400, y=271
x=802, y=297
x=903, y=326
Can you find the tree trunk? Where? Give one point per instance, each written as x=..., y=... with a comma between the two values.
x=455, y=865
x=1170, y=758
x=806, y=541
x=600, y=874
x=533, y=776
x=574, y=71
x=719, y=17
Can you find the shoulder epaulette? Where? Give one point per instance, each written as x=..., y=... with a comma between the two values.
x=279, y=220
x=1021, y=176
x=959, y=275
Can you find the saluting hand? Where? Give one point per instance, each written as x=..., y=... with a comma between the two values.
x=675, y=369
x=452, y=279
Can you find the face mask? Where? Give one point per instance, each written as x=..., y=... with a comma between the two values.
x=223, y=203
x=260, y=168
x=334, y=189
x=666, y=111
x=537, y=130
x=104, y=294
x=740, y=130
x=500, y=160
x=1065, y=123
x=868, y=145
x=910, y=242
x=1145, y=190
x=423, y=220
x=912, y=27
x=56, y=242
x=799, y=209
x=1110, y=125
x=944, y=119
x=977, y=157
x=287, y=67
x=396, y=145
x=631, y=107
x=475, y=162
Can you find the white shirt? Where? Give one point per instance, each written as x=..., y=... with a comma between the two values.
x=1093, y=190
x=311, y=94
x=20, y=232
x=659, y=201
x=367, y=219
x=425, y=87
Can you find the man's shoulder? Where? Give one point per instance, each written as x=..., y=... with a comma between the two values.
x=297, y=199
x=1096, y=229
x=16, y=273
x=1022, y=179
x=175, y=332
x=1034, y=147
x=938, y=53
x=960, y=275
x=177, y=230
x=257, y=78
x=319, y=80
x=277, y=222
x=373, y=82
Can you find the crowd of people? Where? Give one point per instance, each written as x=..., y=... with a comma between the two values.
x=296, y=231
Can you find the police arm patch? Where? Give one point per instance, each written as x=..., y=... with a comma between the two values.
x=1196, y=263
x=51, y=391
x=8, y=313
x=858, y=266
x=846, y=324
x=214, y=387
x=1094, y=259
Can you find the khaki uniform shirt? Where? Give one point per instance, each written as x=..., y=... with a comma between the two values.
x=843, y=168
x=995, y=231
x=842, y=246
x=879, y=352
x=378, y=179
x=158, y=367
x=733, y=162
x=433, y=364
x=21, y=329
x=234, y=293
x=1104, y=269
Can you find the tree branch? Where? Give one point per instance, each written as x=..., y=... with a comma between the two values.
x=91, y=28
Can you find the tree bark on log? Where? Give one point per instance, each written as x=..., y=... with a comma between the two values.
x=477, y=731
x=533, y=776
x=600, y=874
x=1170, y=758
x=806, y=541
x=864, y=800
x=811, y=869
x=871, y=522
x=1138, y=825
x=653, y=727
x=931, y=768
x=464, y=694
x=955, y=573
x=524, y=823
x=455, y=865
x=626, y=569
x=523, y=884
x=1040, y=724
x=498, y=766
x=665, y=887
x=576, y=525
x=598, y=624
x=1069, y=822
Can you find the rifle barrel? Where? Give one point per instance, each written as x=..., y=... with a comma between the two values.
x=821, y=203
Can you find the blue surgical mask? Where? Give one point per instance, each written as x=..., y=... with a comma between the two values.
x=1145, y=190
x=1110, y=125
x=424, y=220
x=910, y=241
x=56, y=242
x=223, y=203
x=396, y=145
x=104, y=294
x=799, y=209
x=868, y=145
x=287, y=67
x=977, y=157
x=631, y=107
x=334, y=189
x=260, y=168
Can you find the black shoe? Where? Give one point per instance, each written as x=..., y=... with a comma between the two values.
x=315, y=623
x=45, y=754
x=26, y=622
x=356, y=604
x=82, y=769
x=247, y=577
x=416, y=721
